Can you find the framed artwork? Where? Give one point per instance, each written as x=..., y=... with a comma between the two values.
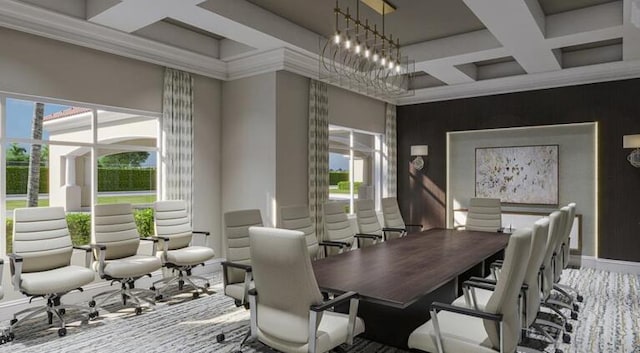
x=518, y=174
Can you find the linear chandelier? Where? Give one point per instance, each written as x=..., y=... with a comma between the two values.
x=361, y=57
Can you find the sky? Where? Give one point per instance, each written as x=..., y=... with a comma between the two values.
x=338, y=161
x=20, y=118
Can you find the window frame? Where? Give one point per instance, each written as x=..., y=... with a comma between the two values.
x=94, y=146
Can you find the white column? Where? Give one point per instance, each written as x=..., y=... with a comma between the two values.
x=70, y=172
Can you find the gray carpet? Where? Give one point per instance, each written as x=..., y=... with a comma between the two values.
x=609, y=322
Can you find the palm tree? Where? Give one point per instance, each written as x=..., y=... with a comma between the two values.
x=33, y=184
x=16, y=154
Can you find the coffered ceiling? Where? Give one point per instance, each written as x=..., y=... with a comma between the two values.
x=461, y=48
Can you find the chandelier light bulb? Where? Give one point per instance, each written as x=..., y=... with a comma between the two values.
x=336, y=38
x=367, y=52
x=358, y=48
x=391, y=64
x=375, y=57
x=398, y=67
x=383, y=61
x=347, y=43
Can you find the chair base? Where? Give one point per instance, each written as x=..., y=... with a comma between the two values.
x=53, y=308
x=128, y=294
x=183, y=278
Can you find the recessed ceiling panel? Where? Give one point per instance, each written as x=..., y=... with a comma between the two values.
x=413, y=21
x=551, y=7
x=73, y=8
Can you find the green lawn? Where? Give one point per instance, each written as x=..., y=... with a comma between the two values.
x=133, y=199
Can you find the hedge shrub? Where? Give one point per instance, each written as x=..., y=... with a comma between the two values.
x=80, y=227
x=18, y=176
x=120, y=179
x=336, y=177
x=344, y=185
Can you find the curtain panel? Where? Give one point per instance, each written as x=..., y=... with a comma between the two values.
x=318, y=153
x=177, y=137
x=390, y=151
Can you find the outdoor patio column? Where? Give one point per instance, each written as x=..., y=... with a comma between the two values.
x=70, y=175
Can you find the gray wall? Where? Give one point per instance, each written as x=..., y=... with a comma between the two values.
x=576, y=168
x=249, y=145
x=356, y=111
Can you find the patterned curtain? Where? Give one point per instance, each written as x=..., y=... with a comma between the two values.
x=318, y=153
x=177, y=133
x=391, y=150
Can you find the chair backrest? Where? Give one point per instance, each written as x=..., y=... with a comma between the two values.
x=559, y=265
x=484, y=215
x=116, y=227
x=539, y=235
x=236, y=230
x=504, y=299
x=297, y=218
x=556, y=228
x=41, y=237
x=367, y=220
x=285, y=283
x=336, y=225
x=391, y=213
x=567, y=248
x=172, y=221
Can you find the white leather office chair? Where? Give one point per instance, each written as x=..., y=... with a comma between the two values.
x=454, y=329
x=287, y=308
x=368, y=223
x=41, y=263
x=484, y=215
x=176, y=250
x=236, y=271
x=393, y=220
x=566, y=257
x=297, y=218
x=478, y=291
x=338, y=229
x=116, y=242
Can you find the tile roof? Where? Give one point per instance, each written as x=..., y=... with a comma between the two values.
x=67, y=112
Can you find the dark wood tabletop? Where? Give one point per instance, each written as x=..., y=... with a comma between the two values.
x=400, y=271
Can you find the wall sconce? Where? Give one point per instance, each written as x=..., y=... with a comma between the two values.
x=419, y=151
x=632, y=141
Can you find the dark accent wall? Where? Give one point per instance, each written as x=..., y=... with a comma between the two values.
x=614, y=105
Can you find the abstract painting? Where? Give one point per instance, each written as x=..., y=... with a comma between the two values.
x=520, y=174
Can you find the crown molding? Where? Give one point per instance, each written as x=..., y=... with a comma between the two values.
x=31, y=19
x=613, y=71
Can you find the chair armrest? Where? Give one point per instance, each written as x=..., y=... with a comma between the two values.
x=87, y=256
x=339, y=244
x=165, y=246
x=368, y=236
x=16, y=269
x=246, y=268
x=394, y=230
x=205, y=233
x=492, y=282
x=333, y=302
x=102, y=254
x=153, y=247
x=466, y=311
x=479, y=285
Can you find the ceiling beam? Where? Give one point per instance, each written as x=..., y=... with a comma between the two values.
x=520, y=26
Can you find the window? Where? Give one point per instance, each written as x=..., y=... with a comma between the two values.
x=355, y=165
x=87, y=155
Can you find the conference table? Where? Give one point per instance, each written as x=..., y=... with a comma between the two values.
x=398, y=279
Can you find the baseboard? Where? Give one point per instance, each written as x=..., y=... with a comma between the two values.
x=610, y=265
x=8, y=308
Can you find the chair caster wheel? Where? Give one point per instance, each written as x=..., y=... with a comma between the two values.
x=220, y=337
x=180, y=284
x=138, y=310
x=158, y=297
x=3, y=340
x=152, y=288
x=568, y=327
x=62, y=311
x=574, y=315
x=62, y=332
x=13, y=322
x=196, y=295
x=237, y=303
x=207, y=285
x=580, y=298
x=576, y=308
x=93, y=315
x=566, y=338
x=92, y=304
x=558, y=350
x=10, y=337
